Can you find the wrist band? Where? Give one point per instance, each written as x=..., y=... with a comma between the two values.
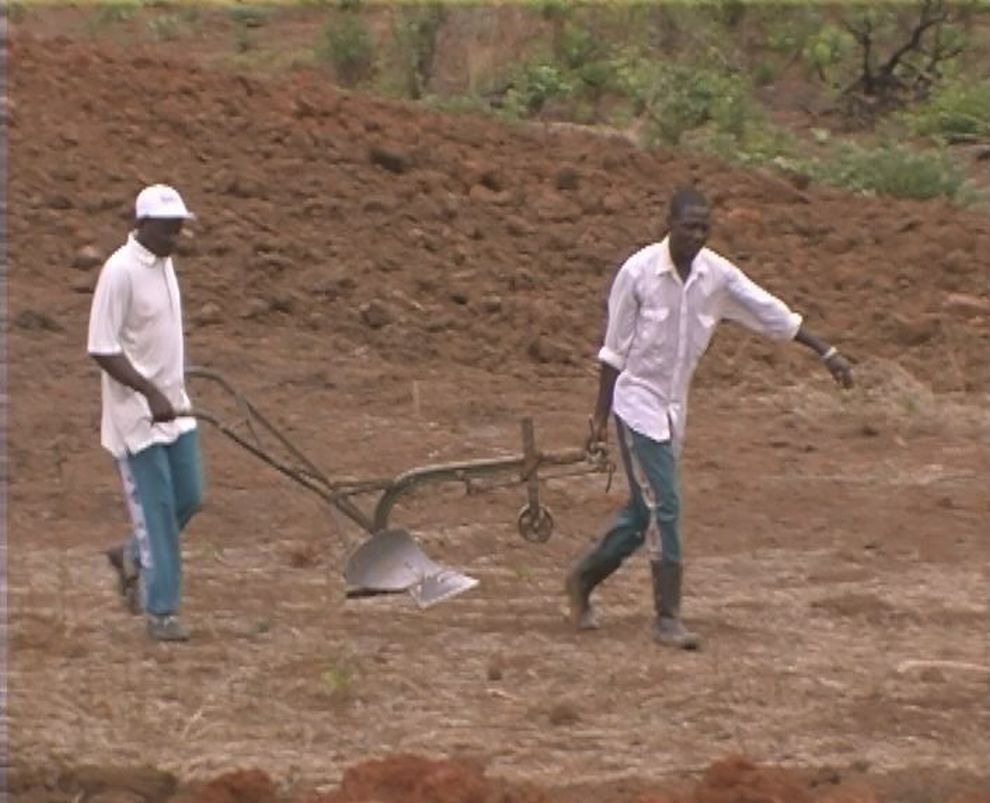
x=828, y=355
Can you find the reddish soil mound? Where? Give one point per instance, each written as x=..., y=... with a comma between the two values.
x=241, y=786
x=413, y=779
x=424, y=237
x=407, y=778
x=737, y=779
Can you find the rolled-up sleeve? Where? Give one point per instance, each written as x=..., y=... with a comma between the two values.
x=756, y=309
x=623, y=309
x=108, y=310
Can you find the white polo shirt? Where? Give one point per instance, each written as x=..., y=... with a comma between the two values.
x=137, y=312
x=659, y=326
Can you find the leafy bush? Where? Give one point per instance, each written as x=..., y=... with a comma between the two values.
x=827, y=50
x=890, y=170
x=584, y=61
x=16, y=10
x=415, y=34
x=554, y=9
x=578, y=47
x=730, y=12
x=250, y=16
x=165, y=28
x=109, y=12
x=787, y=32
x=347, y=45
x=761, y=144
x=683, y=98
x=957, y=112
x=634, y=77
x=458, y=104
x=538, y=83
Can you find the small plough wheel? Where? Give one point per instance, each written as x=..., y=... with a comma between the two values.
x=535, y=523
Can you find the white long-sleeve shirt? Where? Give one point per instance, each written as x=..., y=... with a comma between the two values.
x=137, y=311
x=659, y=326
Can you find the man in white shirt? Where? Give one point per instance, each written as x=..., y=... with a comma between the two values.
x=663, y=307
x=135, y=336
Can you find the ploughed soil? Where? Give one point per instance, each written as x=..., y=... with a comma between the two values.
x=393, y=288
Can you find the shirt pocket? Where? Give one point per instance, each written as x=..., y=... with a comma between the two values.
x=656, y=322
x=701, y=332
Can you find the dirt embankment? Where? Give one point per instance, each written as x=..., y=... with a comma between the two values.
x=406, y=778
x=431, y=238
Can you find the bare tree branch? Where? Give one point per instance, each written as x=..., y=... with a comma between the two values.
x=931, y=14
x=864, y=36
x=911, y=68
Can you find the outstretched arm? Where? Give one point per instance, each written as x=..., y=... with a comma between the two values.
x=837, y=365
x=755, y=308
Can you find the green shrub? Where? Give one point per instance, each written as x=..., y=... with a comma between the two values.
x=458, y=104
x=250, y=16
x=760, y=144
x=554, y=9
x=890, y=170
x=346, y=44
x=110, y=12
x=538, y=82
x=957, y=112
x=764, y=73
x=634, y=76
x=683, y=98
x=595, y=77
x=16, y=10
x=578, y=46
x=165, y=28
x=415, y=36
x=827, y=50
x=786, y=31
x=730, y=12
x=190, y=15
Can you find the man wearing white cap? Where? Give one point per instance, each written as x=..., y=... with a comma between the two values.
x=135, y=336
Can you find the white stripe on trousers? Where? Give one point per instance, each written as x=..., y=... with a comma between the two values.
x=133, y=499
x=654, y=544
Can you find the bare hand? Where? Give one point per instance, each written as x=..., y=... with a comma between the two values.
x=161, y=408
x=840, y=369
x=597, y=436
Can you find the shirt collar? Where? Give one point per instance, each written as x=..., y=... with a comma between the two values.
x=665, y=264
x=141, y=254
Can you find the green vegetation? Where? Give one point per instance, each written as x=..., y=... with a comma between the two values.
x=112, y=12
x=250, y=16
x=165, y=28
x=346, y=44
x=958, y=111
x=904, y=81
x=415, y=42
x=890, y=170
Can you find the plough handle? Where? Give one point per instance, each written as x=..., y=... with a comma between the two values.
x=305, y=473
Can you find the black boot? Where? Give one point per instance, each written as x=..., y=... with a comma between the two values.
x=668, y=629
x=586, y=573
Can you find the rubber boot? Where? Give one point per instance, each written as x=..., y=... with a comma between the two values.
x=586, y=573
x=668, y=629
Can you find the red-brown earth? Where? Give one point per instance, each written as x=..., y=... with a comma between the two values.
x=397, y=287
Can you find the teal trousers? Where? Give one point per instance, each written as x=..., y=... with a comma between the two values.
x=163, y=486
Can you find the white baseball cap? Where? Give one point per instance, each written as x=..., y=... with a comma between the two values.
x=161, y=201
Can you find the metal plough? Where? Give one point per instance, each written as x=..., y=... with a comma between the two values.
x=390, y=560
